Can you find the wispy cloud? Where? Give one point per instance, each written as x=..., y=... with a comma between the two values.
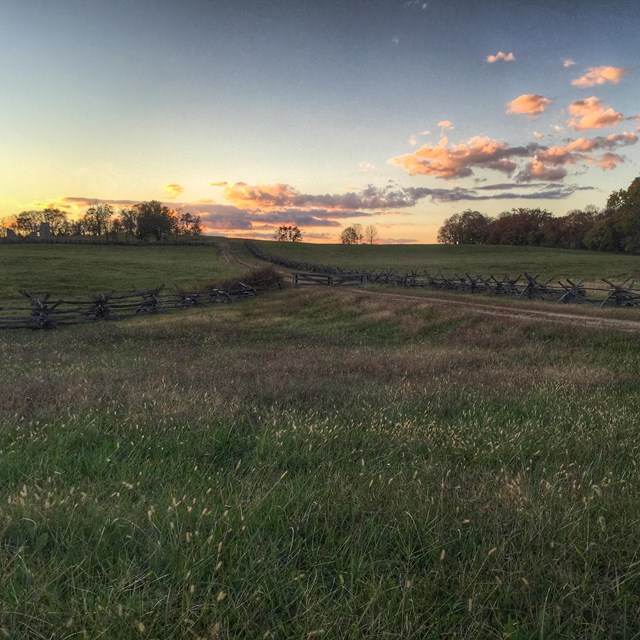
x=365, y=167
x=528, y=104
x=568, y=62
x=174, y=190
x=600, y=75
x=267, y=197
x=501, y=55
x=592, y=113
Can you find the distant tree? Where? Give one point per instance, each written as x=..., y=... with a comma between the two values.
x=349, y=235
x=468, y=227
x=288, y=233
x=189, y=224
x=27, y=222
x=98, y=217
x=371, y=234
x=129, y=222
x=57, y=221
x=519, y=227
x=155, y=220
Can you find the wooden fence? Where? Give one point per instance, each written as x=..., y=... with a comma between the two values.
x=46, y=312
x=328, y=279
x=622, y=294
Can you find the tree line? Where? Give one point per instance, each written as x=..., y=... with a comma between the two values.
x=150, y=220
x=614, y=228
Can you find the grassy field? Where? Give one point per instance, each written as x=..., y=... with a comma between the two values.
x=320, y=464
x=82, y=269
x=476, y=259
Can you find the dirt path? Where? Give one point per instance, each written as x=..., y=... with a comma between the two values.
x=231, y=258
x=500, y=311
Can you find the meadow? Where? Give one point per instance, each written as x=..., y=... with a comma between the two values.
x=80, y=269
x=476, y=259
x=320, y=464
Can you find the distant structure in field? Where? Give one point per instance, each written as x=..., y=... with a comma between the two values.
x=43, y=232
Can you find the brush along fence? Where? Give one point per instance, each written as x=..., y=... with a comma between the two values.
x=523, y=286
x=45, y=312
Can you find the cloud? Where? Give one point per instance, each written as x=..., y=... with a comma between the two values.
x=550, y=163
x=529, y=104
x=592, y=113
x=366, y=166
x=413, y=141
x=221, y=183
x=501, y=55
x=568, y=62
x=600, y=75
x=174, y=190
x=459, y=161
x=537, y=135
x=446, y=124
x=267, y=197
x=80, y=201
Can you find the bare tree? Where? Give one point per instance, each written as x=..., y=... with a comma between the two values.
x=371, y=234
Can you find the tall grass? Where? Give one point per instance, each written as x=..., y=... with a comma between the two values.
x=319, y=464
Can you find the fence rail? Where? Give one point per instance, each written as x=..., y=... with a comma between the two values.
x=35, y=311
x=526, y=285
x=328, y=279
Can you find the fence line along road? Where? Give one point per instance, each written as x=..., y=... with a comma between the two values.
x=528, y=286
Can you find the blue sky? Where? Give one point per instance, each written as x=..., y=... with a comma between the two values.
x=396, y=113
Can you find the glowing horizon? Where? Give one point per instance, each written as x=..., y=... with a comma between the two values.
x=319, y=115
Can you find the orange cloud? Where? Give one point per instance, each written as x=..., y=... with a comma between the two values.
x=445, y=124
x=174, y=190
x=262, y=195
x=600, y=75
x=549, y=164
x=457, y=161
x=592, y=113
x=610, y=161
x=528, y=104
x=220, y=183
x=501, y=55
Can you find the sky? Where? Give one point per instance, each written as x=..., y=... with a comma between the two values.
x=320, y=114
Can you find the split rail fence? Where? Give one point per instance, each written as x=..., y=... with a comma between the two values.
x=35, y=311
x=622, y=294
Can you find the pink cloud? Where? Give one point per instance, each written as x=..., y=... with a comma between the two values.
x=600, y=75
x=592, y=113
x=549, y=164
x=610, y=161
x=457, y=161
x=528, y=104
x=501, y=55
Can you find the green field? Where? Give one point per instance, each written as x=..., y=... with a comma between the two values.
x=72, y=269
x=319, y=463
x=476, y=259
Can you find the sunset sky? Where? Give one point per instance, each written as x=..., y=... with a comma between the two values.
x=396, y=113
